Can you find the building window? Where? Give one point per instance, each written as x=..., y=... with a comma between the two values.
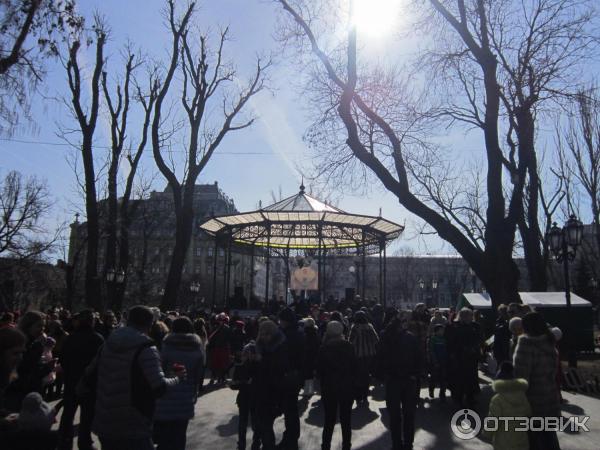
x=157, y=251
x=210, y=251
x=198, y=251
x=221, y=252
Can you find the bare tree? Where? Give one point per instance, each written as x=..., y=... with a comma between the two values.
x=118, y=220
x=491, y=80
x=87, y=118
x=205, y=75
x=579, y=167
x=30, y=31
x=23, y=205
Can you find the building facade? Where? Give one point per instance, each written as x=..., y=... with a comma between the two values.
x=152, y=239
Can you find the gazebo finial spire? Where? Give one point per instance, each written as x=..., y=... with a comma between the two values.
x=302, y=187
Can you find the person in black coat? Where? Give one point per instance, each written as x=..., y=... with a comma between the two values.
x=336, y=368
x=502, y=336
x=270, y=365
x=463, y=340
x=294, y=379
x=79, y=349
x=313, y=342
x=399, y=363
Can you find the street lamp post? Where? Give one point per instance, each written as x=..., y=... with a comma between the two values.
x=563, y=243
x=195, y=289
x=114, y=278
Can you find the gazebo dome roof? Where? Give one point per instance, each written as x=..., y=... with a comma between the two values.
x=301, y=202
x=303, y=222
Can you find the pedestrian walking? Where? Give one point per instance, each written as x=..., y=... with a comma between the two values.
x=336, y=368
x=535, y=361
x=79, y=350
x=129, y=380
x=364, y=339
x=271, y=365
x=399, y=363
x=181, y=347
x=293, y=380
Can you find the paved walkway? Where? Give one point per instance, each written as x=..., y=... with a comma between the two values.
x=215, y=424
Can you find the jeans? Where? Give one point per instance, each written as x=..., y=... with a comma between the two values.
x=86, y=417
x=292, y=419
x=332, y=401
x=401, y=403
x=127, y=444
x=170, y=435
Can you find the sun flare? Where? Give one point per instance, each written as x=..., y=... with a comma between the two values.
x=376, y=17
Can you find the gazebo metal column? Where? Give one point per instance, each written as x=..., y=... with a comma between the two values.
x=381, y=245
x=287, y=273
x=214, y=293
x=364, y=266
x=384, y=274
x=324, y=274
x=228, y=279
x=268, y=268
x=251, y=274
x=320, y=262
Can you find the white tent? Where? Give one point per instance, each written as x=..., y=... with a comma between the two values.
x=534, y=299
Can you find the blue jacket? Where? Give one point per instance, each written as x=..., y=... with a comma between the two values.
x=178, y=403
x=127, y=364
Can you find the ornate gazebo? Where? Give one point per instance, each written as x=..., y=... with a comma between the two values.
x=303, y=224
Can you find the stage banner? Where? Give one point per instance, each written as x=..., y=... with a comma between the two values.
x=305, y=278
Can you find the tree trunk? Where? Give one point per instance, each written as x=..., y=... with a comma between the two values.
x=92, y=282
x=110, y=260
x=184, y=216
x=529, y=226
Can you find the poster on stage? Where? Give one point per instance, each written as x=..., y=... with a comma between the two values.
x=305, y=278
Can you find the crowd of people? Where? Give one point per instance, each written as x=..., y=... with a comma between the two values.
x=136, y=376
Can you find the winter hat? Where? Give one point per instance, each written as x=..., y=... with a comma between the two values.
x=515, y=325
x=35, y=415
x=287, y=315
x=506, y=371
x=360, y=317
x=334, y=329
x=309, y=322
x=558, y=334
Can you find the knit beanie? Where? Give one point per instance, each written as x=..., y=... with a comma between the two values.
x=334, y=329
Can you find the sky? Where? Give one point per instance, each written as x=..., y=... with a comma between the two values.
x=249, y=165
